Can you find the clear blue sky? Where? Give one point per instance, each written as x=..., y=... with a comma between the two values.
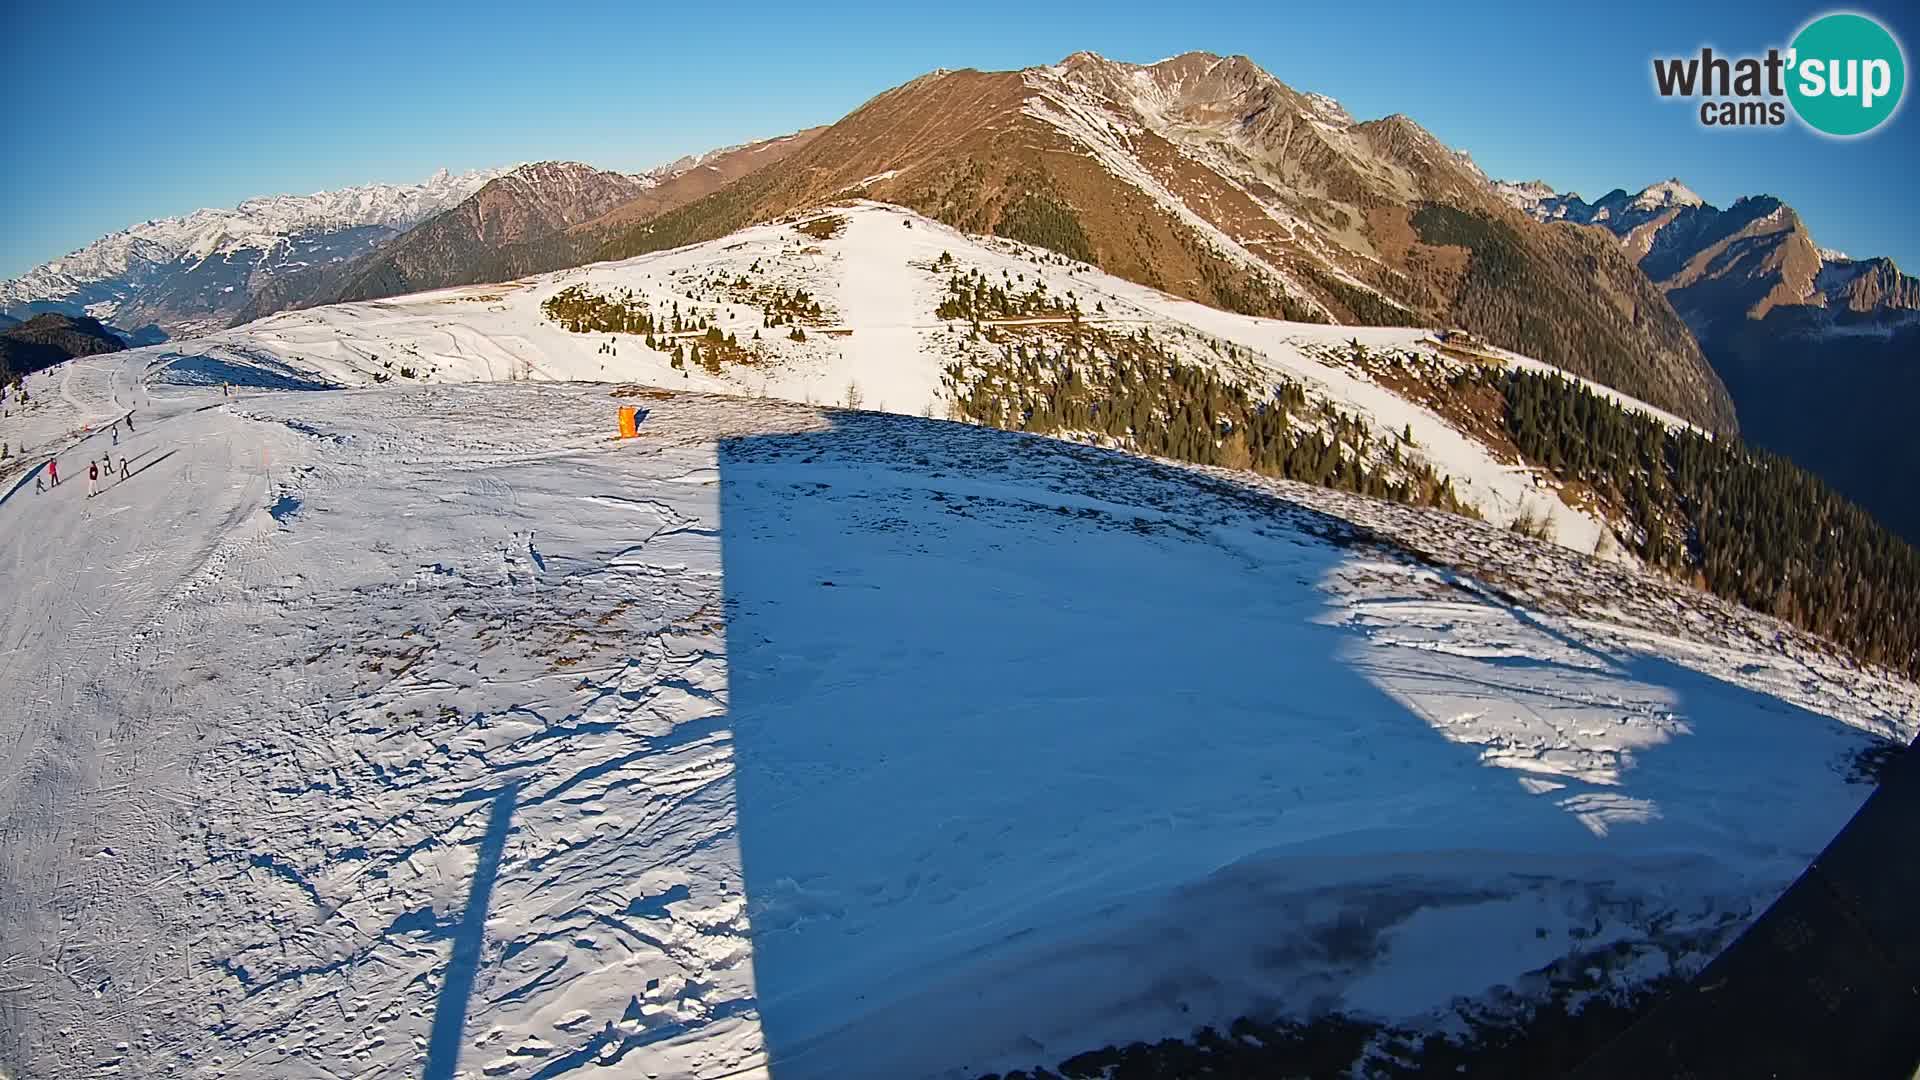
x=123, y=111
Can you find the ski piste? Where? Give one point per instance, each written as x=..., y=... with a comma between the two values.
x=762, y=800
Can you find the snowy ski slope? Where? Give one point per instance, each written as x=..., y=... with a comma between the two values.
x=424, y=730
x=880, y=280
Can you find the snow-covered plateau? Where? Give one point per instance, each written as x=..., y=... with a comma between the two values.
x=392, y=724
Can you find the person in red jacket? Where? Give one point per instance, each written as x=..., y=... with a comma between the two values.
x=53, y=470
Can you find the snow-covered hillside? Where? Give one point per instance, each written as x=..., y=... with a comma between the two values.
x=427, y=730
x=879, y=281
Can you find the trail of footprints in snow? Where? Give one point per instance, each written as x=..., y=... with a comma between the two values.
x=600, y=693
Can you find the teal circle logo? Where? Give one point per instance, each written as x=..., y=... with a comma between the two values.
x=1848, y=73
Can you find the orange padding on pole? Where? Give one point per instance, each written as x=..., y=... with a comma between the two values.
x=629, y=421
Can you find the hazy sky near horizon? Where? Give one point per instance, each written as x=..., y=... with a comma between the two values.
x=125, y=111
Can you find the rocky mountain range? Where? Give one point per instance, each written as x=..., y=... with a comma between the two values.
x=1207, y=177
x=1741, y=262
x=193, y=273
x=537, y=217
x=218, y=267
x=1201, y=175
x=1817, y=348
x=451, y=247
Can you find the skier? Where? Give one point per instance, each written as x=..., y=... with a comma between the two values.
x=123, y=468
x=53, y=470
x=39, y=485
x=129, y=421
x=116, y=434
x=93, y=477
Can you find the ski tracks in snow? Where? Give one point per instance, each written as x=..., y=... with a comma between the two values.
x=310, y=714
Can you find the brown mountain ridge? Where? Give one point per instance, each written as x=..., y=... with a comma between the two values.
x=1208, y=178
x=520, y=223
x=1200, y=175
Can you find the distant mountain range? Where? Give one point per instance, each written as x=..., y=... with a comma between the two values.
x=532, y=218
x=1821, y=351
x=213, y=268
x=192, y=274
x=1743, y=262
x=446, y=249
x=1200, y=175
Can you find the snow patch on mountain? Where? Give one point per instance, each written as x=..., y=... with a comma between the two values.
x=568, y=181
x=1540, y=201
x=1329, y=110
x=1527, y=194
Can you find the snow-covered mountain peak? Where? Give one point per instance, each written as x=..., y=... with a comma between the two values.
x=1525, y=189
x=108, y=271
x=1667, y=193
x=1328, y=109
x=394, y=205
x=562, y=174
x=1538, y=199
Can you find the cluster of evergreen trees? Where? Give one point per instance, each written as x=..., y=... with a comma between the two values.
x=1132, y=389
x=1535, y=294
x=1747, y=525
x=712, y=350
x=824, y=227
x=779, y=304
x=1367, y=307
x=583, y=311
x=1241, y=289
x=1039, y=219
x=973, y=296
x=784, y=307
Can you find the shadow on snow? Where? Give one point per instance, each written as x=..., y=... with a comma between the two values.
x=1038, y=746
x=1010, y=730
x=450, y=1014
